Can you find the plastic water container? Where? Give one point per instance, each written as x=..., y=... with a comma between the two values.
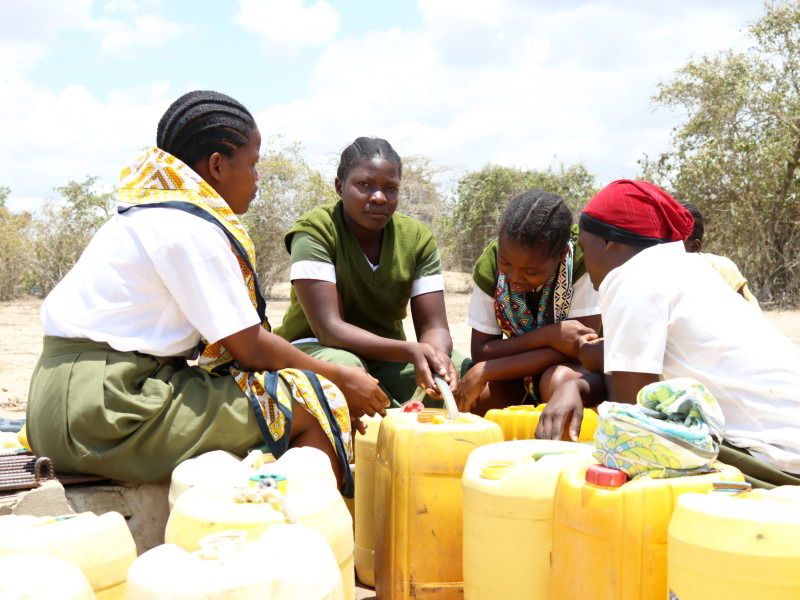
x=219, y=468
x=519, y=422
x=610, y=535
x=311, y=499
x=508, y=516
x=42, y=577
x=365, y=451
x=101, y=546
x=288, y=562
x=736, y=546
x=9, y=441
x=418, y=502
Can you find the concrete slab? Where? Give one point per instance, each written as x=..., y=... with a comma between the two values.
x=143, y=505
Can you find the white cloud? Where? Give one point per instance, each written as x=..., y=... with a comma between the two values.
x=288, y=25
x=53, y=136
x=509, y=82
x=65, y=136
x=119, y=36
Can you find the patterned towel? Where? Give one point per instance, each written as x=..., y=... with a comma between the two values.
x=673, y=430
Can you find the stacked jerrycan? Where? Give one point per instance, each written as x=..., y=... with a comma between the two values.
x=286, y=563
x=42, y=577
x=100, y=546
x=418, y=500
x=519, y=422
x=610, y=534
x=364, y=552
x=308, y=496
x=508, y=516
x=9, y=441
x=736, y=545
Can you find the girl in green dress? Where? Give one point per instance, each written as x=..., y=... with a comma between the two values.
x=531, y=306
x=356, y=266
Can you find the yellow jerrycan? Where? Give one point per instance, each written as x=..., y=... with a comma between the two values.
x=736, y=545
x=365, y=450
x=508, y=516
x=288, y=562
x=9, y=441
x=100, y=546
x=610, y=535
x=418, y=501
x=308, y=498
x=41, y=577
x=519, y=422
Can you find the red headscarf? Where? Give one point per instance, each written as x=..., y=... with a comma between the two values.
x=642, y=209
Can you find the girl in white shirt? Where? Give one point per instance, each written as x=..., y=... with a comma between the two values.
x=172, y=275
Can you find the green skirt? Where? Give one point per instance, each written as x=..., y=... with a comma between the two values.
x=131, y=416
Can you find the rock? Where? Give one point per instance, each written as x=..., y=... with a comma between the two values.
x=48, y=500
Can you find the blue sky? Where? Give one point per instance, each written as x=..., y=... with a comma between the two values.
x=463, y=82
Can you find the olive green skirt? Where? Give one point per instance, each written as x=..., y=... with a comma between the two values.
x=131, y=416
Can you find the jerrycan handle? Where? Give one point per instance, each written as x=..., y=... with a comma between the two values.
x=447, y=394
x=731, y=487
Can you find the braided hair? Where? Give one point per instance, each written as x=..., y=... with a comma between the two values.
x=699, y=228
x=367, y=147
x=200, y=123
x=537, y=219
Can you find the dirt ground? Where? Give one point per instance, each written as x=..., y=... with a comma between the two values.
x=21, y=334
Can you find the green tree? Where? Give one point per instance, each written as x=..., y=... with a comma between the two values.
x=481, y=196
x=63, y=229
x=736, y=155
x=14, y=250
x=288, y=188
x=419, y=195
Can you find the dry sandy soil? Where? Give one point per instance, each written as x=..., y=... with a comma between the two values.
x=21, y=335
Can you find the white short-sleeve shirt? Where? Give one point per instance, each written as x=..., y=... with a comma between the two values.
x=152, y=280
x=481, y=316
x=667, y=312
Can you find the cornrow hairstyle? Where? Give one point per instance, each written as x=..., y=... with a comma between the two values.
x=367, y=147
x=203, y=122
x=699, y=225
x=537, y=219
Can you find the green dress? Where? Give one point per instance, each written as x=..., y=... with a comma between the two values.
x=375, y=300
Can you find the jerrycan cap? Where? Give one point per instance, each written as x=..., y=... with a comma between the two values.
x=269, y=480
x=731, y=487
x=222, y=544
x=605, y=476
x=497, y=469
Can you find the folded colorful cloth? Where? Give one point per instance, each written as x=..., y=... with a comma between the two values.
x=673, y=430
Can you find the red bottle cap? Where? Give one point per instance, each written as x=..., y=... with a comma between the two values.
x=605, y=476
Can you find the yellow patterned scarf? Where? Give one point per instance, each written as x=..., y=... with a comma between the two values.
x=157, y=178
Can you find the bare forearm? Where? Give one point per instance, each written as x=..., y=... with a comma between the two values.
x=439, y=338
x=272, y=353
x=592, y=389
x=501, y=348
x=363, y=343
x=528, y=363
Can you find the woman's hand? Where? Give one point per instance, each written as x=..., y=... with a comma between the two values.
x=428, y=361
x=565, y=336
x=362, y=392
x=565, y=406
x=590, y=353
x=470, y=387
